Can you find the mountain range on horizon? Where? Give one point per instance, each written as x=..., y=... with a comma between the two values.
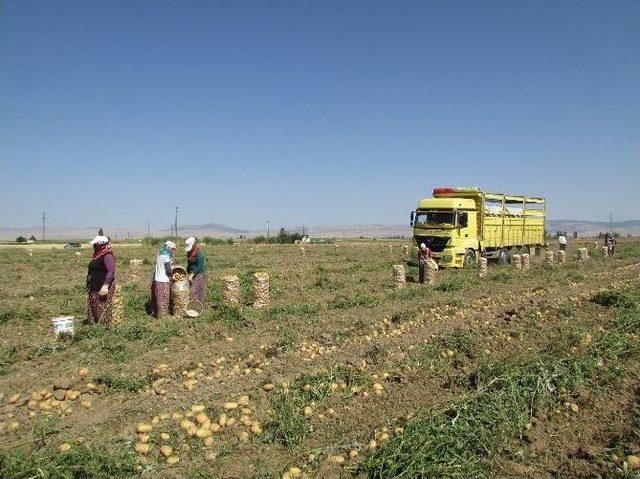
x=582, y=227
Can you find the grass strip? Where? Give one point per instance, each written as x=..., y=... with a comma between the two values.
x=460, y=440
x=79, y=462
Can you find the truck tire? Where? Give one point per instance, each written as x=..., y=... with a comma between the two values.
x=469, y=260
x=503, y=256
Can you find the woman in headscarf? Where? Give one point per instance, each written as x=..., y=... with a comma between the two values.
x=197, y=270
x=161, y=284
x=101, y=282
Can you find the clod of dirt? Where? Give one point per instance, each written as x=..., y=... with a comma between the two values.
x=62, y=383
x=537, y=440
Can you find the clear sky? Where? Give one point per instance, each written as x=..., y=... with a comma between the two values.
x=314, y=112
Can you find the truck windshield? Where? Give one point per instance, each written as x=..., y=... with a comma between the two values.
x=431, y=217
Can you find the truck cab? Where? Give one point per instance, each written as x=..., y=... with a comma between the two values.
x=449, y=227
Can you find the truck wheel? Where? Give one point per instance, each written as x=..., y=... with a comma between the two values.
x=469, y=260
x=503, y=256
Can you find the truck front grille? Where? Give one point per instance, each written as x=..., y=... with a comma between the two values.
x=434, y=243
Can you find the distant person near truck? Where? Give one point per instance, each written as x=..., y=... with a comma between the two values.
x=424, y=255
x=562, y=242
x=610, y=243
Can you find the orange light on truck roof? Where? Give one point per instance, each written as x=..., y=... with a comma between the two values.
x=447, y=190
x=443, y=190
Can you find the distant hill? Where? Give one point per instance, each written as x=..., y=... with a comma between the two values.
x=83, y=234
x=584, y=228
x=354, y=231
x=210, y=229
x=86, y=233
x=592, y=228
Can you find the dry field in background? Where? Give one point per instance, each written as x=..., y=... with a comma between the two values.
x=526, y=373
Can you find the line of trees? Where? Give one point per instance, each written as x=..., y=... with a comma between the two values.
x=283, y=237
x=22, y=239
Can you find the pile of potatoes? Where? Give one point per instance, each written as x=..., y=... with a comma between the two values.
x=60, y=399
x=236, y=417
x=310, y=350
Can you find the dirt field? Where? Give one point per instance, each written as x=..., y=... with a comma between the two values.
x=525, y=373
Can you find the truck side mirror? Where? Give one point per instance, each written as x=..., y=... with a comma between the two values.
x=411, y=219
x=463, y=220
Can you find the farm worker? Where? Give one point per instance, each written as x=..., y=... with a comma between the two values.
x=610, y=242
x=424, y=255
x=197, y=270
x=101, y=280
x=160, y=286
x=562, y=242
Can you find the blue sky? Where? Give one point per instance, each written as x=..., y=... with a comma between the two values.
x=315, y=112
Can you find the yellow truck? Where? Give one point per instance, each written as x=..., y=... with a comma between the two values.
x=461, y=224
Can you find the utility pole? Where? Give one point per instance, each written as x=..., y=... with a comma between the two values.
x=148, y=229
x=268, y=224
x=610, y=221
x=44, y=221
x=176, y=222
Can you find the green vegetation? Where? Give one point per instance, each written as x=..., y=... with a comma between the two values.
x=289, y=425
x=19, y=313
x=474, y=358
x=79, y=462
x=123, y=383
x=208, y=240
x=232, y=317
x=360, y=299
x=283, y=237
x=614, y=298
x=459, y=440
x=8, y=356
x=303, y=309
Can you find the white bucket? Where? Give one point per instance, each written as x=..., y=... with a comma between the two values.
x=63, y=325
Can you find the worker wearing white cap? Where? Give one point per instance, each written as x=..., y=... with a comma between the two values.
x=197, y=269
x=161, y=284
x=424, y=255
x=101, y=276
